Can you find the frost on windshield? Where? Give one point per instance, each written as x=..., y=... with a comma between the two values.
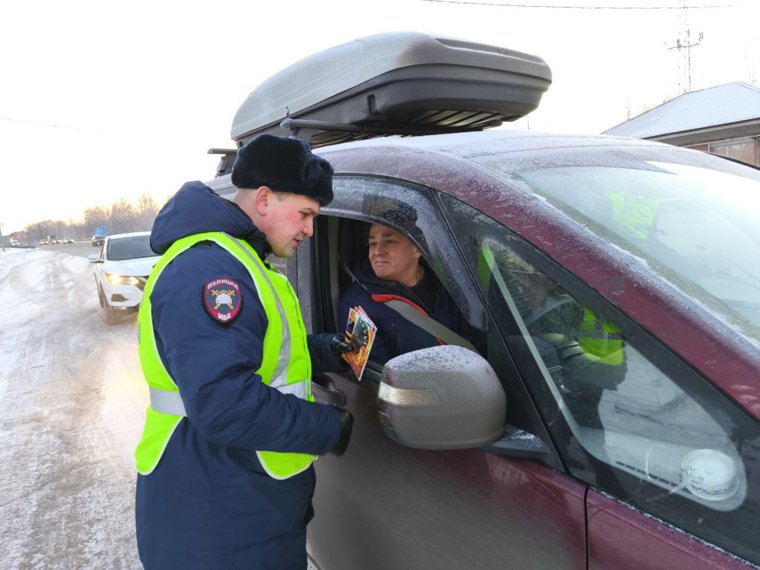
x=695, y=227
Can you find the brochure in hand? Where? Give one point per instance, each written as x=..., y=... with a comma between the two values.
x=360, y=331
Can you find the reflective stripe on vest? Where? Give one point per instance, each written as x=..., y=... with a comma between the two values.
x=285, y=365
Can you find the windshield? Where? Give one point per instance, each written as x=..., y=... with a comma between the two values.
x=695, y=226
x=132, y=247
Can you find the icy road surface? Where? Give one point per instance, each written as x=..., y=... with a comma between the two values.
x=72, y=402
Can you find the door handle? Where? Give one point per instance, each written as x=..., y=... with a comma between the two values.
x=328, y=390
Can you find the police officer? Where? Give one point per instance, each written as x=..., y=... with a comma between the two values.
x=225, y=460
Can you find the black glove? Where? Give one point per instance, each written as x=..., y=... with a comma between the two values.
x=325, y=350
x=346, y=427
x=339, y=345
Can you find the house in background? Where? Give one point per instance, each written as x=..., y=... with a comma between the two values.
x=723, y=119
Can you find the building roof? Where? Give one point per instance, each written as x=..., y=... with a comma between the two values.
x=715, y=106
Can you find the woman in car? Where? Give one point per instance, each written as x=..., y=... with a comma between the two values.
x=394, y=270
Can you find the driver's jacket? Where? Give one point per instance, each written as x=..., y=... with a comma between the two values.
x=395, y=334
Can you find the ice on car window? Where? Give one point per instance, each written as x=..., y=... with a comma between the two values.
x=694, y=226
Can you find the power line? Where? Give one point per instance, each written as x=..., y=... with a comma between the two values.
x=571, y=7
x=45, y=124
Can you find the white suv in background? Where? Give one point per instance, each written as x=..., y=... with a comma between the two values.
x=122, y=268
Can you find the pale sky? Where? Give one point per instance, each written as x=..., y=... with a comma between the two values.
x=103, y=100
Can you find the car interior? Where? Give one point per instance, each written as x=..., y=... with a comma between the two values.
x=347, y=244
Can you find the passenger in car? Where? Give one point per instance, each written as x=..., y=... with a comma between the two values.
x=583, y=351
x=394, y=269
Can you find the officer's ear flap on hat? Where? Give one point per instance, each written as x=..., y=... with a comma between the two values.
x=284, y=165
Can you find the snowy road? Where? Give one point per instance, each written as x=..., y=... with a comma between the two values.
x=72, y=401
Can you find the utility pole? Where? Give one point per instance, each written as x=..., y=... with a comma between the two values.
x=687, y=44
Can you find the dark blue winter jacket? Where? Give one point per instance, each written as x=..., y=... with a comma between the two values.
x=208, y=503
x=395, y=334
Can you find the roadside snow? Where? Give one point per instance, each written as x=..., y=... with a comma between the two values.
x=72, y=401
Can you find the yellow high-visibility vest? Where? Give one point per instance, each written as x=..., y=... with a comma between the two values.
x=602, y=339
x=286, y=364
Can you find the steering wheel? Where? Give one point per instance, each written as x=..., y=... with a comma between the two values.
x=559, y=311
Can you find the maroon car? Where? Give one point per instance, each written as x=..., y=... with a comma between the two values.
x=612, y=419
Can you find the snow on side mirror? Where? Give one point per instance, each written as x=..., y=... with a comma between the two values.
x=445, y=397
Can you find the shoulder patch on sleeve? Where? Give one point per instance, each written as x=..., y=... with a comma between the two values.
x=223, y=299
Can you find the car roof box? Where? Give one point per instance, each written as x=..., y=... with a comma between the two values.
x=405, y=83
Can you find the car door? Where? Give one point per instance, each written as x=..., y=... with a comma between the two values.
x=383, y=505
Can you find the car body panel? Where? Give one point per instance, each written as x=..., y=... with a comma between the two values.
x=387, y=511
x=623, y=538
x=122, y=295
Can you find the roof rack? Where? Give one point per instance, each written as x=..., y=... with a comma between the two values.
x=402, y=83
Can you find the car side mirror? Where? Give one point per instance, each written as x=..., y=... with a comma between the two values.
x=94, y=258
x=445, y=397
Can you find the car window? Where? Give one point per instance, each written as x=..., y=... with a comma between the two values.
x=412, y=212
x=626, y=415
x=339, y=237
x=133, y=247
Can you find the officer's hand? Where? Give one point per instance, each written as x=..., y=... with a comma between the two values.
x=346, y=427
x=325, y=350
x=339, y=346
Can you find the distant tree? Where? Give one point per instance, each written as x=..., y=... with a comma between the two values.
x=95, y=217
x=119, y=217
x=146, y=210
x=40, y=230
x=123, y=216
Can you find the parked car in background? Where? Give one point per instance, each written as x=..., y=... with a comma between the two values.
x=98, y=240
x=121, y=270
x=613, y=418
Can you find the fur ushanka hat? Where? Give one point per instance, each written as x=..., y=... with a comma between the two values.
x=284, y=165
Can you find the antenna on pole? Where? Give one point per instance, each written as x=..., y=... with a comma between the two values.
x=686, y=44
